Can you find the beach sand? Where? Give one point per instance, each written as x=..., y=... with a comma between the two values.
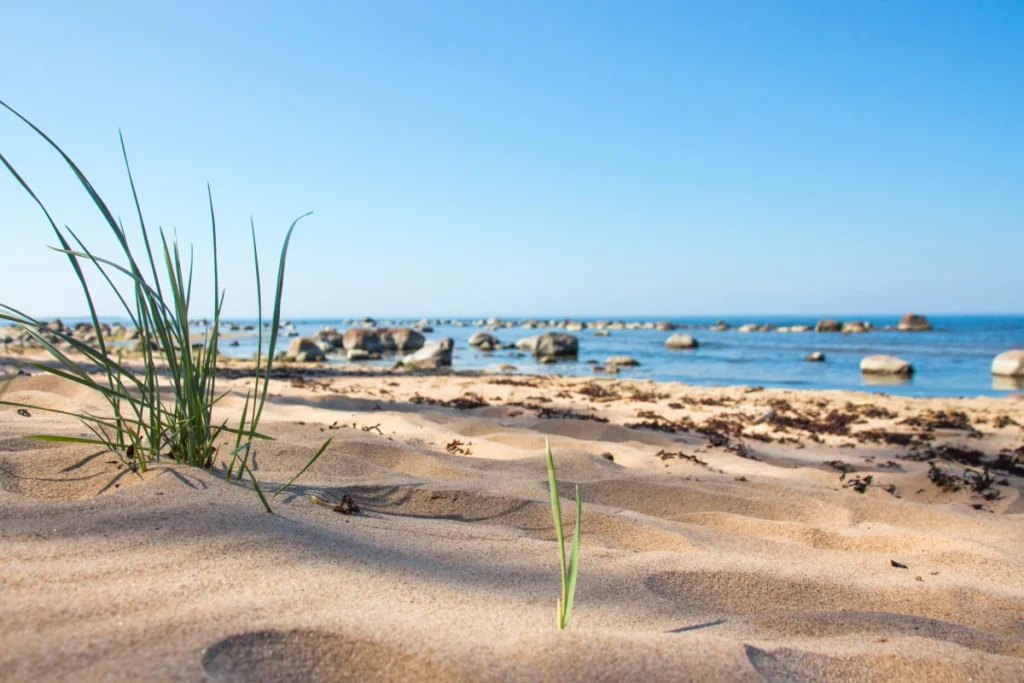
x=741, y=552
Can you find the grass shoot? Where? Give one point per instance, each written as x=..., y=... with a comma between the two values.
x=568, y=571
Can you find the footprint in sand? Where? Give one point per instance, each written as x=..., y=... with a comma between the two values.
x=306, y=655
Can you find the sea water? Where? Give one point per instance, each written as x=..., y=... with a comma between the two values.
x=954, y=359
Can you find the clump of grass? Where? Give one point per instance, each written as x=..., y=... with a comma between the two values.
x=568, y=571
x=142, y=428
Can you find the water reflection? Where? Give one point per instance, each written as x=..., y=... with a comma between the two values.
x=1007, y=383
x=886, y=380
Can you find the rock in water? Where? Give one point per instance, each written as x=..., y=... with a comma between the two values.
x=664, y=326
x=681, y=341
x=304, y=350
x=854, y=327
x=827, y=325
x=355, y=355
x=434, y=354
x=360, y=338
x=621, y=360
x=484, y=339
x=815, y=357
x=550, y=344
x=912, y=322
x=400, y=339
x=880, y=364
x=329, y=338
x=1009, y=364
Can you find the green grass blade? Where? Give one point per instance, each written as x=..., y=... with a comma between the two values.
x=574, y=560
x=556, y=513
x=53, y=438
x=308, y=465
x=256, y=485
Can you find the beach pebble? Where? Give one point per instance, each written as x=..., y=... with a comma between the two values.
x=1009, y=363
x=621, y=360
x=880, y=364
x=681, y=341
x=815, y=357
x=912, y=322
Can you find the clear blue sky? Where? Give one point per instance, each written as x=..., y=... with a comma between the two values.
x=536, y=158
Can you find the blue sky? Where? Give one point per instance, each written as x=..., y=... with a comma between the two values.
x=535, y=158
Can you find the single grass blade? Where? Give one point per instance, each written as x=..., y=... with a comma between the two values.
x=53, y=438
x=574, y=560
x=308, y=465
x=556, y=513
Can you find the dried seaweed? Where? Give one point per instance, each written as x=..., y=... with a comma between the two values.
x=596, y=392
x=665, y=455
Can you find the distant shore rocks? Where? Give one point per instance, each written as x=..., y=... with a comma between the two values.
x=912, y=322
x=665, y=326
x=719, y=326
x=681, y=341
x=828, y=325
x=433, y=355
x=621, y=361
x=880, y=364
x=1009, y=363
x=550, y=345
x=815, y=357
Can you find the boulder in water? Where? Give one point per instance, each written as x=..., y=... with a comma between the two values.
x=681, y=341
x=880, y=364
x=1009, y=364
x=912, y=322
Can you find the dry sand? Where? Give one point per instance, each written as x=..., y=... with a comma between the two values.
x=749, y=552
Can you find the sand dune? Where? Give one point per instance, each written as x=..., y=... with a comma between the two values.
x=714, y=548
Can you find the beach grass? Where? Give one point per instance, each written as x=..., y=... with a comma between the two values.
x=569, y=571
x=141, y=427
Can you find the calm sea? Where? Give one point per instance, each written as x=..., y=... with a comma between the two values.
x=952, y=360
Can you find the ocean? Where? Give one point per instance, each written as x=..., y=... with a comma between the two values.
x=954, y=359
